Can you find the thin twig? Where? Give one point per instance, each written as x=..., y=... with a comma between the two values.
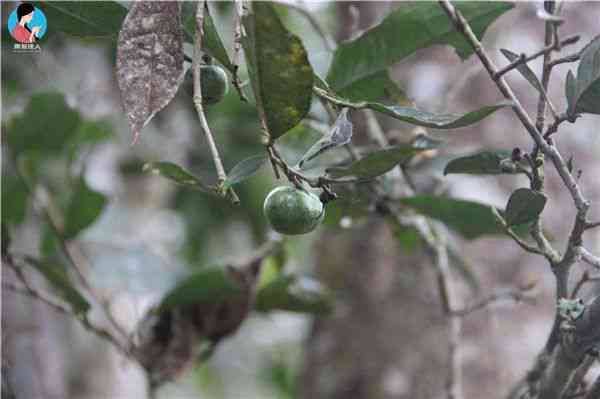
x=588, y=257
x=67, y=252
x=566, y=59
x=196, y=64
x=517, y=295
x=238, y=12
x=592, y=225
x=586, y=277
x=447, y=297
x=523, y=59
x=30, y=292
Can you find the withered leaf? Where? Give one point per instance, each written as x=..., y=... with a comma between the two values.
x=149, y=60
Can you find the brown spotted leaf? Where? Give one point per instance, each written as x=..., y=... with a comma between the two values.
x=149, y=60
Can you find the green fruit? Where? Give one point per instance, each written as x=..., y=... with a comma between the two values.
x=214, y=84
x=291, y=211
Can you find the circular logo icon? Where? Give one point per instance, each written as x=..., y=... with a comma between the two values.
x=27, y=24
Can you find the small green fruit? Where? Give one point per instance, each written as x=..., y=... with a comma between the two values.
x=291, y=211
x=214, y=84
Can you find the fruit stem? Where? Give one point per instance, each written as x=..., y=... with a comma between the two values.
x=196, y=64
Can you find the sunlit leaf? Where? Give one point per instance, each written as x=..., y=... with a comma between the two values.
x=468, y=218
x=483, y=163
x=210, y=285
x=524, y=205
x=176, y=174
x=294, y=294
x=84, y=208
x=281, y=76
x=149, y=60
x=245, y=169
x=410, y=27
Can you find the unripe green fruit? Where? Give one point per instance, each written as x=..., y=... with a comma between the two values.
x=214, y=84
x=291, y=211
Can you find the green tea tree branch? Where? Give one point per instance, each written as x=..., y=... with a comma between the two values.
x=67, y=251
x=27, y=289
x=554, y=373
x=196, y=69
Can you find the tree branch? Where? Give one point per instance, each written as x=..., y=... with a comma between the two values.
x=196, y=63
x=523, y=58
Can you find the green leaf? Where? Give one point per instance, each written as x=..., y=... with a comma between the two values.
x=90, y=19
x=210, y=285
x=60, y=281
x=176, y=174
x=84, y=208
x=293, y=294
x=524, y=205
x=376, y=163
x=410, y=27
x=587, y=98
x=14, y=199
x=45, y=126
x=483, y=163
x=436, y=121
x=468, y=218
x=570, y=92
x=211, y=41
x=243, y=170
x=524, y=70
x=374, y=88
x=281, y=76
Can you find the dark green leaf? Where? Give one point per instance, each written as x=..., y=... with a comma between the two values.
x=85, y=19
x=57, y=277
x=470, y=219
x=245, y=169
x=412, y=26
x=211, y=285
x=587, y=98
x=211, y=42
x=281, y=76
x=436, y=121
x=524, y=205
x=376, y=163
x=524, y=70
x=483, y=163
x=293, y=294
x=176, y=174
x=45, y=126
x=84, y=208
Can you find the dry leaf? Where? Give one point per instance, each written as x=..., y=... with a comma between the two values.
x=149, y=60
